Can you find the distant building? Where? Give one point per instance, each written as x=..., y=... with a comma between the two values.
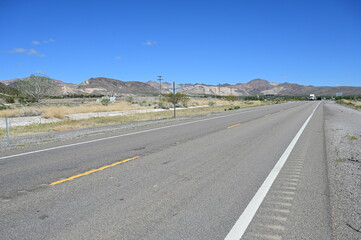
x=339, y=94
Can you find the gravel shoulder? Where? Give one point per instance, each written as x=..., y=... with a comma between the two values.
x=343, y=145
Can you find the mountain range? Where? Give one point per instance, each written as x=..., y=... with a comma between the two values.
x=109, y=86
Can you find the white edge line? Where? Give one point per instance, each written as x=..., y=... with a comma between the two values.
x=128, y=134
x=245, y=219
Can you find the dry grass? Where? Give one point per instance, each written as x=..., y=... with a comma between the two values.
x=9, y=113
x=61, y=111
x=104, y=121
x=350, y=103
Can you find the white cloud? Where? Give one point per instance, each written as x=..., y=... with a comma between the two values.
x=17, y=50
x=149, y=43
x=118, y=58
x=34, y=52
x=50, y=40
x=28, y=52
x=35, y=42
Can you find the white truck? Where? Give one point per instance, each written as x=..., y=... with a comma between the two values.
x=312, y=97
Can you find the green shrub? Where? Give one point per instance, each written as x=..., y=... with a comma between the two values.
x=165, y=105
x=2, y=107
x=211, y=103
x=144, y=103
x=181, y=105
x=248, y=102
x=129, y=99
x=27, y=99
x=177, y=98
x=231, y=98
x=105, y=101
x=9, y=100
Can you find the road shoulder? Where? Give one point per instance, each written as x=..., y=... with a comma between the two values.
x=343, y=141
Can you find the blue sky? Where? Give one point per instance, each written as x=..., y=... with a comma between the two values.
x=231, y=41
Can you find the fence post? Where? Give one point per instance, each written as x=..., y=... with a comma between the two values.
x=7, y=130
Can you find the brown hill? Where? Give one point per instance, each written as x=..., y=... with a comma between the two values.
x=109, y=86
x=105, y=86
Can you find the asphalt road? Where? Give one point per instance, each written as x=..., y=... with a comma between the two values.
x=186, y=179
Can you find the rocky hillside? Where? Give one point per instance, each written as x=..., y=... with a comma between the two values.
x=108, y=86
x=105, y=86
x=7, y=90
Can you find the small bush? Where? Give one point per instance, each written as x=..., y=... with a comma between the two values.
x=27, y=112
x=129, y=99
x=144, y=103
x=2, y=107
x=237, y=107
x=177, y=98
x=352, y=137
x=231, y=98
x=211, y=103
x=181, y=105
x=165, y=105
x=248, y=102
x=9, y=100
x=105, y=101
x=27, y=99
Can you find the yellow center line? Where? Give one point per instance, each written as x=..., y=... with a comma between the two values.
x=235, y=125
x=92, y=171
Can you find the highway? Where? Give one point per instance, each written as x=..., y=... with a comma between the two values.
x=193, y=178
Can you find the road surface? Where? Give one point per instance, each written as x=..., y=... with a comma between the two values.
x=195, y=178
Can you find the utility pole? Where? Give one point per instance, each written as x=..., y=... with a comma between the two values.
x=160, y=79
x=174, y=90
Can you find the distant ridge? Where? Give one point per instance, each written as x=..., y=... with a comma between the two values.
x=109, y=86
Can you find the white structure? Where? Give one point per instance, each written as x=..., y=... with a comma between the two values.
x=312, y=97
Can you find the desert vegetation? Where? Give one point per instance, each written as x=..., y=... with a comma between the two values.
x=61, y=110
x=352, y=103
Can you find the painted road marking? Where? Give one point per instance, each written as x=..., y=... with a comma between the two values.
x=133, y=133
x=235, y=125
x=93, y=171
x=245, y=219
